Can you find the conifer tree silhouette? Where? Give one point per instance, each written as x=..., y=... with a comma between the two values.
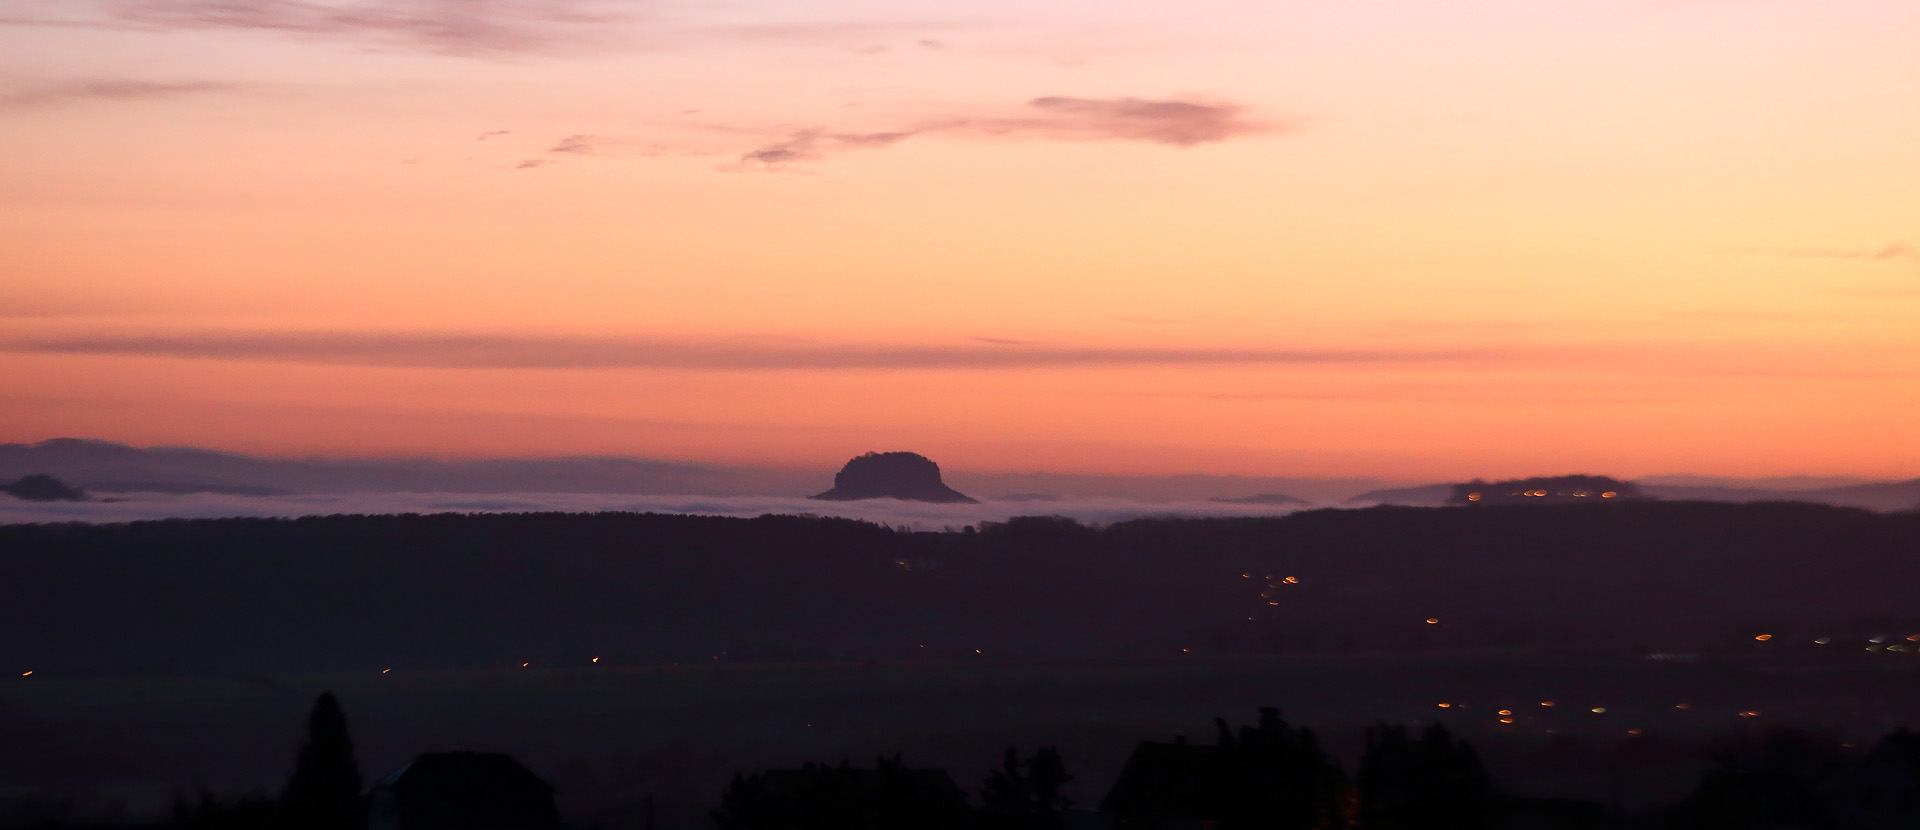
x=1432, y=782
x=324, y=791
x=1007, y=795
x=1048, y=773
x=1274, y=775
x=1025, y=794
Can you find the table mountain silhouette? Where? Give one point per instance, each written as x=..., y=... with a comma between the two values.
x=892, y=475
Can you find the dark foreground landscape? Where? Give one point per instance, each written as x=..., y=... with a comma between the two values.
x=638, y=662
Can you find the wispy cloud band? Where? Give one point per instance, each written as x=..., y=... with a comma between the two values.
x=104, y=89
x=1177, y=123
x=460, y=27
x=1900, y=253
x=524, y=352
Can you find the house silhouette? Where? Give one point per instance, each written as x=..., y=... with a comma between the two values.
x=1883, y=790
x=462, y=791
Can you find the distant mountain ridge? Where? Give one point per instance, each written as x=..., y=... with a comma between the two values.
x=111, y=467
x=105, y=466
x=1883, y=496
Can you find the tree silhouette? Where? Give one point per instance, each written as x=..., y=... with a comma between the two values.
x=1025, y=794
x=247, y=812
x=1274, y=776
x=1434, y=782
x=821, y=797
x=1048, y=772
x=324, y=791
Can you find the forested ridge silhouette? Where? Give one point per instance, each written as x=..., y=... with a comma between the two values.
x=358, y=592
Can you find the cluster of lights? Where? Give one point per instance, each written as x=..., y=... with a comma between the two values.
x=1541, y=494
x=1507, y=716
x=1273, y=584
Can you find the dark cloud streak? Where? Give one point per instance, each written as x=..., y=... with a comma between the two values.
x=521, y=352
x=1176, y=123
x=1886, y=253
x=105, y=90
x=580, y=144
x=457, y=27
x=810, y=145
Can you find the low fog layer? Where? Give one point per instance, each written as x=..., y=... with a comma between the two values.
x=917, y=515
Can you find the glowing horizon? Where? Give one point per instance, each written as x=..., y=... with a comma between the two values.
x=1497, y=239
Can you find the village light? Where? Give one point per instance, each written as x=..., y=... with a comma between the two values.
x=1546, y=703
x=1433, y=621
x=1599, y=710
x=1763, y=637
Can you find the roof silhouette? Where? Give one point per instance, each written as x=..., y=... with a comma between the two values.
x=463, y=791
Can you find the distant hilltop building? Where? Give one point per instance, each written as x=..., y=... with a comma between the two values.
x=1546, y=490
x=892, y=475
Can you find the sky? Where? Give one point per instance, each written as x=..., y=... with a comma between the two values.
x=1392, y=238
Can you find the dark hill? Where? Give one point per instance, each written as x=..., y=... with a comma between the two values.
x=372, y=592
x=892, y=475
x=43, y=488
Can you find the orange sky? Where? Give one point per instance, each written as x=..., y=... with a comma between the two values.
x=1389, y=237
